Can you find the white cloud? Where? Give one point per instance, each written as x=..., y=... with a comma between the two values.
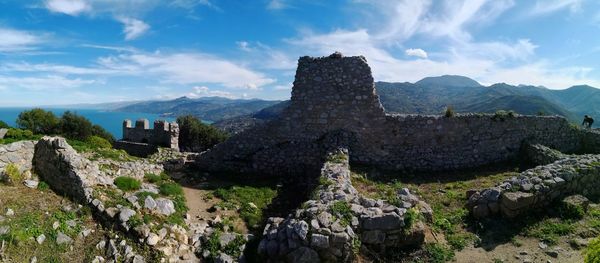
x=276, y=4
x=203, y=91
x=187, y=68
x=543, y=7
x=69, y=7
x=54, y=68
x=416, y=52
x=189, y=4
x=133, y=28
x=243, y=45
x=40, y=83
x=15, y=40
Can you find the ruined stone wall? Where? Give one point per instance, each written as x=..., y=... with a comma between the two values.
x=18, y=153
x=336, y=95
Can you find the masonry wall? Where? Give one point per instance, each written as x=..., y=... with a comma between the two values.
x=334, y=103
x=163, y=133
x=18, y=153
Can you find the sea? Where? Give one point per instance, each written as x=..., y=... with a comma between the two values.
x=112, y=121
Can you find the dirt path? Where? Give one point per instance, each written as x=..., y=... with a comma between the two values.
x=528, y=251
x=201, y=203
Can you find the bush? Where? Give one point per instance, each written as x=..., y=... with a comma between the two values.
x=153, y=178
x=75, y=126
x=96, y=142
x=438, y=253
x=38, y=121
x=126, y=183
x=170, y=189
x=3, y=125
x=341, y=209
x=449, y=112
x=11, y=175
x=195, y=136
x=592, y=254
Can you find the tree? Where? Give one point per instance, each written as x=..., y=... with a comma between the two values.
x=195, y=136
x=3, y=125
x=75, y=126
x=38, y=121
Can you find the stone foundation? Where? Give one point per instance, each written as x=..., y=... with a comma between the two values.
x=338, y=220
x=539, y=187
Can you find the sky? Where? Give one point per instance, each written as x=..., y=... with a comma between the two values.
x=56, y=52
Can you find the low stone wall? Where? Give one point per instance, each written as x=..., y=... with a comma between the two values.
x=334, y=225
x=538, y=154
x=538, y=187
x=18, y=153
x=135, y=148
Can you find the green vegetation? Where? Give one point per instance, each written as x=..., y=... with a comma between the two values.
x=592, y=253
x=449, y=112
x=170, y=189
x=337, y=158
x=232, y=248
x=42, y=186
x=38, y=121
x=502, y=115
x=196, y=136
x=126, y=183
x=70, y=125
x=15, y=135
x=11, y=174
x=571, y=211
x=155, y=179
x=250, y=200
x=3, y=125
x=341, y=210
x=549, y=230
x=438, y=253
x=411, y=217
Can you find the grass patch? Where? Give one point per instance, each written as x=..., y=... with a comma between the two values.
x=11, y=174
x=592, y=253
x=155, y=178
x=341, y=210
x=438, y=253
x=549, y=230
x=127, y=184
x=250, y=200
x=170, y=189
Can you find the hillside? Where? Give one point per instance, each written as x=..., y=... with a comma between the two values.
x=208, y=108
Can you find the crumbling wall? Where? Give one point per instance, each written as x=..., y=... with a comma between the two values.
x=335, y=95
x=338, y=221
x=18, y=153
x=538, y=187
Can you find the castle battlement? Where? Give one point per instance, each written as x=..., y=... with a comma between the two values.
x=141, y=136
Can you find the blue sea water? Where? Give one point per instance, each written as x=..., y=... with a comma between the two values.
x=112, y=121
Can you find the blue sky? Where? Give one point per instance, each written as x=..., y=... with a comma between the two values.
x=87, y=51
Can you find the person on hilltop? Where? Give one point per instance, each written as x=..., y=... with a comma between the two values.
x=587, y=122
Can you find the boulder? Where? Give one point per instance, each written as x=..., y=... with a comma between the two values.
x=3, y=133
x=387, y=221
x=165, y=206
x=125, y=214
x=61, y=238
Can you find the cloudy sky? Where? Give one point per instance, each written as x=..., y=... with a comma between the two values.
x=85, y=51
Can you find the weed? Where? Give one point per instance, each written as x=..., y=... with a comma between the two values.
x=341, y=209
x=438, y=253
x=42, y=186
x=449, y=112
x=592, y=253
x=251, y=200
x=11, y=174
x=337, y=158
x=411, y=217
x=127, y=184
x=153, y=178
x=550, y=230
x=170, y=189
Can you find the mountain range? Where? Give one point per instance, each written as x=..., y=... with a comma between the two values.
x=431, y=95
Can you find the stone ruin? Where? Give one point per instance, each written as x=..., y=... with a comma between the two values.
x=335, y=109
x=142, y=141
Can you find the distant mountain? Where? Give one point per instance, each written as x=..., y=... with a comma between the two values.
x=527, y=105
x=206, y=108
x=448, y=81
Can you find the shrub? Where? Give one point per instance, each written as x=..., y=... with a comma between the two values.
x=43, y=186
x=592, y=253
x=153, y=178
x=96, y=142
x=11, y=174
x=38, y=121
x=341, y=209
x=3, y=125
x=195, y=136
x=75, y=126
x=126, y=183
x=438, y=253
x=170, y=189
x=449, y=112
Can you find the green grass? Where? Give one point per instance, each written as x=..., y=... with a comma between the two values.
x=342, y=211
x=549, y=230
x=438, y=253
x=127, y=184
x=155, y=179
x=337, y=158
x=170, y=189
x=242, y=196
x=11, y=174
x=42, y=186
x=592, y=253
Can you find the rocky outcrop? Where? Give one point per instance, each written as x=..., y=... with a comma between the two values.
x=338, y=220
x=59, y=165
x=538, y=154
x=538, y=187
x=17, y=153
